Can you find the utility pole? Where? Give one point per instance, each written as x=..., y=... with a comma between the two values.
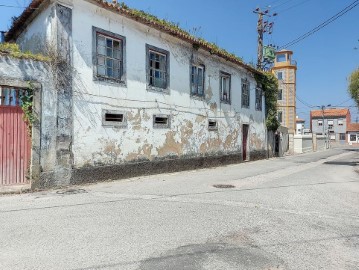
x=262, y=27
x=326, y=135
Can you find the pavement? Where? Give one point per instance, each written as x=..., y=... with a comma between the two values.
x=297, y=212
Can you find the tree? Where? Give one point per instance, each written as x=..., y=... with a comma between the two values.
x=354, y=85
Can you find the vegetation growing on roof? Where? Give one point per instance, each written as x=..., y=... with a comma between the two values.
x=13, y=50
x=175, y=27
x=269, y=85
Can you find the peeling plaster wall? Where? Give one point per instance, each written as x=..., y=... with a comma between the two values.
x=188, y=136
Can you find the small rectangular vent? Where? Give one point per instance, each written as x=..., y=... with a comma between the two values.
x=161, y=121
x=114, y=117
x=212, y=125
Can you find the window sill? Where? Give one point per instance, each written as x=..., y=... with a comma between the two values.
x=226, y=102
x=197, y=97
x=245, y=107
x=158, y=90
x=110, y=80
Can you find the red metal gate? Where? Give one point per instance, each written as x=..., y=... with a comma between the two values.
x=15, y=144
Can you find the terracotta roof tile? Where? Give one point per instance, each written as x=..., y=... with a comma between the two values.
x=329, y=113
x=299, y=120
x=143, y=18
x=353, y=127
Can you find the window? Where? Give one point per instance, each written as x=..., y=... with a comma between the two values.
x=109, y=60
x=157, y=68
x=320, y=123
x=11, y=96
x=112, y=118
x=280, y=94
x=280, y=117
x=225, y=85
x=258, y=99
x=197, y=80
x=353, y=138
x=330, y=124
x=340, y=122
x=281, y=58
x=212, y=124
x=342, y=136
x=161, y=121
x=280, y=75
x=245, y=93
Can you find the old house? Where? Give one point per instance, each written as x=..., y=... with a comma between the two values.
x=132, y=95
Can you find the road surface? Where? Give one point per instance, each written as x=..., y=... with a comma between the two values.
x=297, y=212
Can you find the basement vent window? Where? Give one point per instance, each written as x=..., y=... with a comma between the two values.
x=212, y=125
x=113, y=118
x=161, y=121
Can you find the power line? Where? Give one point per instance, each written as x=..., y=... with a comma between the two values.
x=322, y=25
x=291, y=7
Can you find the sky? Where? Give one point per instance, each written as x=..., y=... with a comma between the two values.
x=325, y=59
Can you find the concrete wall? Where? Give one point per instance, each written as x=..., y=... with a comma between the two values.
x=309, y=143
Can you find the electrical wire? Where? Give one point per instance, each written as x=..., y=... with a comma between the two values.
x=322, y=25
x=294, y=6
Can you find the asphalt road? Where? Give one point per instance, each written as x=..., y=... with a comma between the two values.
x=298, y=212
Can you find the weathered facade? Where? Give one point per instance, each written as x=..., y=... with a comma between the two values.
x=132, y=98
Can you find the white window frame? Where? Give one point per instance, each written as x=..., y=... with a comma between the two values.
x=245, y=93
x=225, y=96
x=197, y=85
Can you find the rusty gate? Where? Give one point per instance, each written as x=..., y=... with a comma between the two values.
x=15, y=143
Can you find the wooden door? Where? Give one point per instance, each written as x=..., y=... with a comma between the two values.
x=245, y=141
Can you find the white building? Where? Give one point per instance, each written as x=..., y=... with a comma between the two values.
x=141, y=96
x=299, y=126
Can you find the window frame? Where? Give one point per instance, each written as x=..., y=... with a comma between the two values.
x=97, y=77
x=225, y=75
x=197, y=66
x=248, y=99
x=153, y=49
x=281, y=77
x=259, y=97
x=351, y=136
x=320, y=123
x=341, y=136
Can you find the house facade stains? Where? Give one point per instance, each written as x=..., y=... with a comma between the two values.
x=134, y=97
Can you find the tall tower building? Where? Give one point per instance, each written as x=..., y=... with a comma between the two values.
x=285, y=69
